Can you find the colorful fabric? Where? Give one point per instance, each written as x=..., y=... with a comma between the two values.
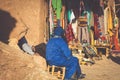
x=83, y=34
x=57, y=5
x=74, y=27
x=101, y=22
x=69, y=15
x=96, y=27
x=82, y=21
x=115, y=43
x=106, y=20
x=69, y=33
x=73, y=5
x=83, y=29
x=110, y=22
x=51, y=17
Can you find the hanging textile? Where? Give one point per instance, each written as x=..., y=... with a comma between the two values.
x=110, y=22
x=101, y=18
x=69, y=15
x=57, y=6
x=88, y=4
x=82, y=8
x=119, y=32
x=115, y=42
x=106, y=20
x=74, y=26
x=73, y=21
x=83, y=29
x=92, y=42
x=91, y=26
x=73, y=5
x=88, y=20
x=69, y=33
x=96, y=27
x=83, y=34
x=55, y=21
x=51, y=18
x=76, y=7
x=101, y=22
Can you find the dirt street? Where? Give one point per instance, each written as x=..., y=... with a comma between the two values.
x=106, y=69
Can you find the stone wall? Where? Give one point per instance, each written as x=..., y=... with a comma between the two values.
x=18, y=15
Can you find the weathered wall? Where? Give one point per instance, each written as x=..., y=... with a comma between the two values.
x=16, y=14
x=16, y=65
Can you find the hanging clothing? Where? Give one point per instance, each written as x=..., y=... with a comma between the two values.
x=69, y=33
x=110, y=22
x=51, y=18
x=69, y=16
x=73, y=5
x=74, y=27
x=88, y=4
x=92, y=41
x=83, y=29
x=96, y=27
x=115, y=43
x=83, y=34
x=82, y=8
x=101, y=22
x=119, y=32
x=76, y=7
x=88, y=20
x=57, y=6
x=106, y=20
x=91, y=19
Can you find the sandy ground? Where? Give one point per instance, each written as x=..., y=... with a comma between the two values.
x=105, y=69
x=15, y=65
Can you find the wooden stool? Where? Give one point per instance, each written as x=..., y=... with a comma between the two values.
x=57, y=71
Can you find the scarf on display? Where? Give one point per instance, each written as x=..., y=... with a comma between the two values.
x=69, y=33
x=97, y=30
x=57, y=6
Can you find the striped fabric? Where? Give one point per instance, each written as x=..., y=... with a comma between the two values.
x=82, y=21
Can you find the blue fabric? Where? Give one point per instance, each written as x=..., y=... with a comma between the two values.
x=58, y=31
x=58, y=53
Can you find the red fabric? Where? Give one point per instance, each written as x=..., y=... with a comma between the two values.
x=103, y=38
x=96, y=30
x=69, y=33
x=115, y=43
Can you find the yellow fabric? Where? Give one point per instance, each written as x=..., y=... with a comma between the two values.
x=110, y=24
x=92, y=37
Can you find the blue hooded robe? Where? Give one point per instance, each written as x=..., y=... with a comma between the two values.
x=59, y=54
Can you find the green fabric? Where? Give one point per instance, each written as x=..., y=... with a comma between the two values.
x=69, y=15
x=88, y=20
x=57, y=6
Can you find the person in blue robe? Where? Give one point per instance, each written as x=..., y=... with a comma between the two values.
x=59, y=54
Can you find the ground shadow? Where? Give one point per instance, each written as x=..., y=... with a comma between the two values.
x=41, y=49
x=115, y=59
x=7, y=23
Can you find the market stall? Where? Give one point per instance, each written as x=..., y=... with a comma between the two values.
x=90, y=20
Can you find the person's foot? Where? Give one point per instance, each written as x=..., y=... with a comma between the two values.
x=81, y=76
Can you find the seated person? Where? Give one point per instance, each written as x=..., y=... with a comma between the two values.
x=59, y=54
x=23, y=44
